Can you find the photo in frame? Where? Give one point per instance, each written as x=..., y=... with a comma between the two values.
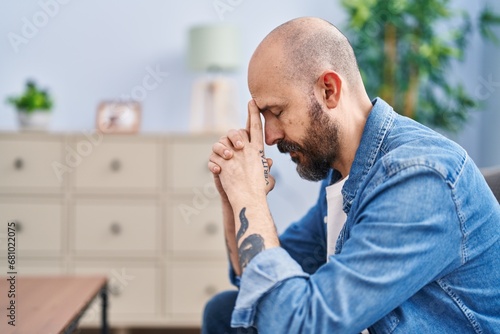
x=118, y=117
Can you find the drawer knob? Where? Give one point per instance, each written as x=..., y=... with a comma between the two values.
x=210, y=290
x=18, y=164
x=115, y=228
x=115, y=165
x=211, y=228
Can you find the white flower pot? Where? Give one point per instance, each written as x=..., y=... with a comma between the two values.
x=37, y=120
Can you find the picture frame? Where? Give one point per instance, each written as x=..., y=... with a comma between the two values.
x=118, y=117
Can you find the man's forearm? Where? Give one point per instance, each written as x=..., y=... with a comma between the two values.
x=229, y=236
x=256, y=231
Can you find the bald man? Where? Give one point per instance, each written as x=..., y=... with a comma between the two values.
x=404, y=237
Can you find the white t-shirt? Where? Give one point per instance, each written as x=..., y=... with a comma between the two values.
x=336, y=216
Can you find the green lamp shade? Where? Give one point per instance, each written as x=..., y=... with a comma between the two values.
x=214, y=48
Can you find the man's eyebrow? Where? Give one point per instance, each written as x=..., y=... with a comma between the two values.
x=271, y=106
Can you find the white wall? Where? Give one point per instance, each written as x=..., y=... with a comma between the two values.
x=94, y=50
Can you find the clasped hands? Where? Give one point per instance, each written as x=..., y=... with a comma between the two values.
x=241, y=170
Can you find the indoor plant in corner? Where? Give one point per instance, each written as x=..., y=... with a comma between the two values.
x=406, y=50
x=34, y=107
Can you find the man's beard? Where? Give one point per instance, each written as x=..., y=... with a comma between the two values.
x=319, y=147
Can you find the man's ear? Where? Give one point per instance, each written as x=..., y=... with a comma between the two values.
x=330, y=85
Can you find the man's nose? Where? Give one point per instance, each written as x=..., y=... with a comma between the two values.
x=272, y=129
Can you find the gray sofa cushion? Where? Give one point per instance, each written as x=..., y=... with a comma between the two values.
x=492, y=177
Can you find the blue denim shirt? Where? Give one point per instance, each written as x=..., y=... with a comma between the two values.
x=419, y=252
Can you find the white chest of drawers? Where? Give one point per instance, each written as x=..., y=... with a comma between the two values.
x=140, y=208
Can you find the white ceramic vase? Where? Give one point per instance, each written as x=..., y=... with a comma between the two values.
x=37, y=120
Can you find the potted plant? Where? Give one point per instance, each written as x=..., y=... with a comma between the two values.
x=33, y=107
x=406, y=55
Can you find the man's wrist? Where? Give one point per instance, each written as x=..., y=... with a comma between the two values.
x=242, y=199
x=225, y=201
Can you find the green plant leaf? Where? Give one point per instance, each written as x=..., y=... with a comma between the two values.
x=32, y=99
x=425, y=54
x=487, y=19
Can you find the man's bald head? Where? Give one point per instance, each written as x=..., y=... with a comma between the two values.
x=301, y=49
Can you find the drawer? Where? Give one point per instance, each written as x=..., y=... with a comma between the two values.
x=38, y=225
x=132, y=290
x=122, y=229
x=29, y=164
x=191, y=285
x=187, y=162
x=119, y=165
x=195, y=226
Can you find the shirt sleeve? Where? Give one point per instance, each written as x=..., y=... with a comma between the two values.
x=400, y=241
x=233, y=278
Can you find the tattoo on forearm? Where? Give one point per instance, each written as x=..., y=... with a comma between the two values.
x=243, y=226
x=251, y=245
x=265, y=165
x=249, y=248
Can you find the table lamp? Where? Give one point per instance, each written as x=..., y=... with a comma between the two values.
x=214, y=50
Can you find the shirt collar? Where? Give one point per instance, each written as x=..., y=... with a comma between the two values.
x=379, y=121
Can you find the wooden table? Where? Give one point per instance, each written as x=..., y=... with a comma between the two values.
x=49, y=304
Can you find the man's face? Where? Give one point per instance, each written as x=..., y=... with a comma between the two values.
x=318, y=148
x=295, y=120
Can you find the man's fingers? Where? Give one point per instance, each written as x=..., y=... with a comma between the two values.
x=222, y=150
x=269, y=163
x=236, y=138
x=213, y=167
x=214, y=163
x=255, y=124
x=272, y=183
x=247, y=127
